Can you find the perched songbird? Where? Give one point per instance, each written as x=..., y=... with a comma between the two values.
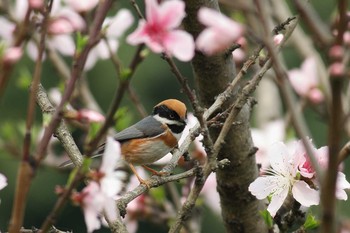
x=154, y=136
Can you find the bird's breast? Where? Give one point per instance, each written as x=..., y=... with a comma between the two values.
x=148, y=150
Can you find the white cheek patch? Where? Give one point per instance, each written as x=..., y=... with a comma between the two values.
x=165, y=120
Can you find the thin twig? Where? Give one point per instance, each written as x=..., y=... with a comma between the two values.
x=122, y=88
x=78, y=66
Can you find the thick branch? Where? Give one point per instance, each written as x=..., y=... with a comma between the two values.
x=212, y=75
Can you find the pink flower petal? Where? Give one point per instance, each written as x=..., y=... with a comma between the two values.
x=300, y=188
x=171, y=13
x=221, y=32
x=12, y=55
x=180, y=44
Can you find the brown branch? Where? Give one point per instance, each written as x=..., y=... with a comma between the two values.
x=335, y=131
x=62, y=133
x=26, y=171
x=314, y=22
x=78, y=66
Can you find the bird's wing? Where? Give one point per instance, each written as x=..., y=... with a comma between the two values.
x=147, y=127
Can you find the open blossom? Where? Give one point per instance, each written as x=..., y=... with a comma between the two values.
x=159, y=31
x=115, y=27
x=99, y=196
x=283, y=178
x=289, y=167
x=220, y=34
x=305, y=80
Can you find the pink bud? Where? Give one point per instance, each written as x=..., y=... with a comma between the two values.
x=36, y=4
x=277, y=39
x=89, y=116
x=337, y=69
x=316, y=96
x=12, y=55
x=336, y=52
x=60, y=26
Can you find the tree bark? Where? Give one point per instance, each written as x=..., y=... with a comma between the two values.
x=240, y=210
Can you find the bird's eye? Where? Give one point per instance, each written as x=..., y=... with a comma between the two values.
x=171, y=116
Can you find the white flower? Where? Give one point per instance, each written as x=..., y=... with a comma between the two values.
x=283, y=178
x=99, y=196
x=115, y=28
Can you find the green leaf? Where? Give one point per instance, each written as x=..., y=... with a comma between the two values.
x=158, y=194
x=86, y=165
x=72, y=175
x=93, y=129
x=125, y=74
x=123, y=118
x=267, y=218
x=311, y=222
x=81, y=42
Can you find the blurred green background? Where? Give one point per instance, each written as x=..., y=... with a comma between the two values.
x=153, y=81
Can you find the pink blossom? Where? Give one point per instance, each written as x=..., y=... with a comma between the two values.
x=82, y=6
x=336, y=52
x=88, y=115
x=12, y=55
x=60, y=26
x=277, y=39
x=283, y=178
x=65, y=16
x=115, y=27
x=159, y=31
x=321, y=154
x=305, y=81
x=220, y=34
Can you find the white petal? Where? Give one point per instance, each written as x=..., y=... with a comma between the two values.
x=268, y=185
x=279, y=157
x=110, y=156
x=3, y=181
x=110, y=208
x=342, y=184
x=63, y=43
x=120, y=23
x=277, y=201
x=305, y=195
x=180, y=44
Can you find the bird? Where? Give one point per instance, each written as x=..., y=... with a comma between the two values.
x=151, y=138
